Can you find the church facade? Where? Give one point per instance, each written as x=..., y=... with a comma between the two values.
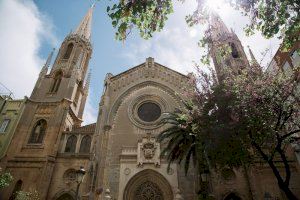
x=119, y=152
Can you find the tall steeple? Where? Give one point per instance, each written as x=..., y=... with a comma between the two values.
x=68, y=74
x=222, y=41
x=84, y=28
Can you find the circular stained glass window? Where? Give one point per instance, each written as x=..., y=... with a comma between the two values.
x=149, y=112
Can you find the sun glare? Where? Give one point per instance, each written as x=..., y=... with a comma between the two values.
x=216, y=5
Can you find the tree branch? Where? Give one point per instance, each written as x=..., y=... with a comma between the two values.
x=286, y=166
x=286, y=118
x=289, y=134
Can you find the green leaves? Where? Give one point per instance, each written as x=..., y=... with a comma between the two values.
x=147, y=16
x=5, y=179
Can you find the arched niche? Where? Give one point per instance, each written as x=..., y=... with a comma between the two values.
x=64, y=195
x=116, y=104
x=147, y=185
x=232, y=196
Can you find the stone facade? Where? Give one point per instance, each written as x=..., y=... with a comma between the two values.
x=131, y=149
x=119, y=152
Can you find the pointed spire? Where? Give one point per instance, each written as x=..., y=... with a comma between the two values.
x=47, y=64
x=84, y=28
x=253, y=59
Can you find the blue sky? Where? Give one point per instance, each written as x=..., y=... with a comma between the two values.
x=30, y=29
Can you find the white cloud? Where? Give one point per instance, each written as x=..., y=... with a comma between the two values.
x=23, y=29
x=176, y=46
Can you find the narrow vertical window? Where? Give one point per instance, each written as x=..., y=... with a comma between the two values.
x=85, y=144
x=4, y=125
x=56, y=82
x=79, y=57
x=71, y=144
x=234, y=51
x=38, y=132
x=68, y=51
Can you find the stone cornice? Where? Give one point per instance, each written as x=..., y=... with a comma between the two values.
x=156, y=73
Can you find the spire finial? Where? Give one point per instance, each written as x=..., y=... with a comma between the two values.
x=88, y=81
x=47, y=64
x=253, y=59
x=84, y=28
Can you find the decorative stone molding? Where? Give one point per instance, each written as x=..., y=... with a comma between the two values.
x=45, y=109
x=122, y=97
x=127, y=171
x=148, y=70
x=148, y=151
x=148, y=183
x=134, y=106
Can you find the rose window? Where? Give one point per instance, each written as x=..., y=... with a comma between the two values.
x=149, y=112
x=148, y=191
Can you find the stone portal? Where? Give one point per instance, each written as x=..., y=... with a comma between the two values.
x=148, y=185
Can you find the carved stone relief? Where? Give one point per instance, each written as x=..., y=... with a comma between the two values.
x=148, y=151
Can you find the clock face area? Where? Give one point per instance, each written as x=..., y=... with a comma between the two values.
x=149, y=111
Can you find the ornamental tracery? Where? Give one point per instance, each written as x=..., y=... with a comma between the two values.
x=148, y=191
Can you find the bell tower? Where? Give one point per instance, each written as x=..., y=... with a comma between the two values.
x=67, y=78
x=55, y=105
x=226, y=49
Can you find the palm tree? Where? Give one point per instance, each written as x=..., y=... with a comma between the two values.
x=181, y=143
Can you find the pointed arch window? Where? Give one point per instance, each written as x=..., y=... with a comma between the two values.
x=79, y=57
x=234, y=51
x=17, y=188
x=85, y=144
x=56, y=83
x=38, y=132
x=71, y=144
x=68, y=51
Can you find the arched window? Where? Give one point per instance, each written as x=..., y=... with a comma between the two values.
x=85, y=144
x=68, y=51
x=38, y=132
x=69, y=175
x=56, y=83
x=65, y=196
x=79, y=57
x=234, y=51
x=18, y=187
x=71, y=144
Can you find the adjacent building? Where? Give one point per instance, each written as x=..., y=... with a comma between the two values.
x=10, y=112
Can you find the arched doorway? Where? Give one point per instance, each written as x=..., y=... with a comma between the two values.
x=232, y=196
x=148, y=185
x=65, y=196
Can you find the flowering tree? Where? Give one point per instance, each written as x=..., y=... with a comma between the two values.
x=243, y=119
x=24, y=195
x=271, y=17
x=5, y=179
